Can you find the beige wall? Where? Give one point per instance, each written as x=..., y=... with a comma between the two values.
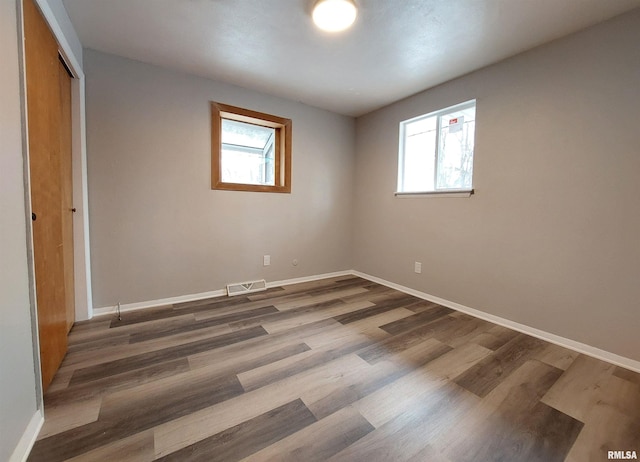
x=552, y=237
x=158, y=230
x=18, y=399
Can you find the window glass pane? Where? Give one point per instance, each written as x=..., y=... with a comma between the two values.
x=419, y=155
x=245, y=134
x=247, y=153
x=455, y=153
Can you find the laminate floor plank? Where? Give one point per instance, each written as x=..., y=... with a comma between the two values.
x=217, y=306
x=379, y=320
x=114, y=402
x=250, y=361
x=317, y=442
x=374, y=294
x=405, y=340
x=100, y=344
x=82, y=359
x=387, y=304
x=293, y=313
x=408, y=433
x=326, y=296
x=112, y=383
x=187, y=430
x=201, y=389
x=430, y=454
x=557, y=356
x=425, y=305
x=150, y=315
x=292, y=336
x=136, y=448
x=338, y=335
x=520, y=426
x=319, y=287
x=98, y=323
x=146, y=315
x=313, y=288
x=60, y=380
x=248, y=437
x=339, y=285
x=202, y=324
x=118, y=419
x=605, y=430
x=418, y=319
x=487, y=374
x=337, y=369
x=463, y=330
x=296, y=364
x=495, y=337
x=377, y=377
x=140, y=328
x=58, y=419
x=401, y=395
x=620, y=395
x=130, y=363
x=580, y=387
x=312, y=316
x=203, y=315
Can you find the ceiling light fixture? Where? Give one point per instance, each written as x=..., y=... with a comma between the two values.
x=334, y=15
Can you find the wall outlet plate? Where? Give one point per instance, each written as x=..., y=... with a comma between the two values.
x=417, y=267
x=266, y=260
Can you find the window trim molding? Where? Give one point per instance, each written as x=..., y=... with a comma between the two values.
x=438, y=193
x=282, y=147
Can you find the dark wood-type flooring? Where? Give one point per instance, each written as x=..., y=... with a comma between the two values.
x=341, y=369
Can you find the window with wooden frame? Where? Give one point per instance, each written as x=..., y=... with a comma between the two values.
x=250, y=151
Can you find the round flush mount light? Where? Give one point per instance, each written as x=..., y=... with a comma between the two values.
x=334, y=15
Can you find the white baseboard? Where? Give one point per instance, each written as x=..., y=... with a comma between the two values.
x=317, y=277
x=28, y=439
x=157, y=303
x=583, y=348
x=203, y=295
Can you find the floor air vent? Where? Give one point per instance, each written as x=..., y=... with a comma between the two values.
x=246, y=287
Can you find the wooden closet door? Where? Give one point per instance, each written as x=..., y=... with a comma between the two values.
x=44, y=115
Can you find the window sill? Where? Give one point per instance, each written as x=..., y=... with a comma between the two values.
x=450, y=193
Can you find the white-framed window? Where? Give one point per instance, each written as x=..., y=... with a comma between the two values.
x=436, y=151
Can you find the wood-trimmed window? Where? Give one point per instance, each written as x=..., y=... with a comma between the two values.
x=250, y=151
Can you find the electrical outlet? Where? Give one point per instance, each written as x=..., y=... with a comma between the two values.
x=417, y=267
x=266, y=260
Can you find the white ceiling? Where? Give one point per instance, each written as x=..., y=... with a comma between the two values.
x=395, y=49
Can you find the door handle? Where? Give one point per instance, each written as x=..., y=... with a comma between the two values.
x=33, y=216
